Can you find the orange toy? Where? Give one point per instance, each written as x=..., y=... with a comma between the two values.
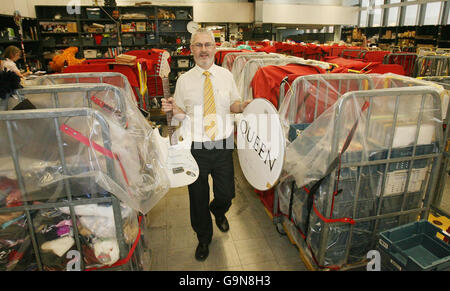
x=67, y=58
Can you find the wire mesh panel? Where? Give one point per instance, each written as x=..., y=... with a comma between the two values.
x=104, y=97
x=374, y=55
x=441, y=202
x=228, y=60
x=406, y=60
x=143, y=181
x=116, y=79
x=221, y=54
x=55, y=212
x=429, y=66
x=309, y=96
x=353, y=53
x=135, y=76
x=387, y=157
x=376, y=157
x=253, y=65
x=241, y=61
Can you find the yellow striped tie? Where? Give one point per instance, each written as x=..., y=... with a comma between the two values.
x=209, y=108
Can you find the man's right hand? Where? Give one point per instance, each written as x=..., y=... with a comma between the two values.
x=167, y=105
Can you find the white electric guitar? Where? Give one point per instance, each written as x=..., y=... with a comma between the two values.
x=182, y=169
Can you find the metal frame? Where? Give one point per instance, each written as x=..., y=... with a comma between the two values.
x=250, y=57
x=220, y=52
x=136, y=90
x=56, y=114
x=238, y=54
x=428, y=193
x=429, y=66
x=436, y=204
x=100, y=76
x=402, y=60
x=433, y=159
x=246, y=92
x=86, y=88
x=78, y=76
x=360, y=56
x=348, y=78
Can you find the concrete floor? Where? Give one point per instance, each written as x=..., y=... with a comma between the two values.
x=251, y=244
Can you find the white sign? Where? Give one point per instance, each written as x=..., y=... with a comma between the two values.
x=260, y=144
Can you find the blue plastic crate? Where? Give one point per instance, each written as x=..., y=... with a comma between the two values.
x=415, y=247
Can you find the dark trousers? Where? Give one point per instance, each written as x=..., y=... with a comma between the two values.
x=219, y=164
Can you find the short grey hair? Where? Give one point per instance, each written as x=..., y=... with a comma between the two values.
x=203, y=30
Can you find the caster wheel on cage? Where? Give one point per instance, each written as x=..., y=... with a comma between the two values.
x=280, y=229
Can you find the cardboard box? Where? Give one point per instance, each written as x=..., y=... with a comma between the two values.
x=127, y=27
x=388, y=34
x=72, y=27
x=141, y=26
x=90, y=54
x=183, y=63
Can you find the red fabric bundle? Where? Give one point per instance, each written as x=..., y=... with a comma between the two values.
x=375, y=56
x=387, y=68
x=336, y=50
x=93, y=66
x=344, y=65
x=347, y=63
x=220, y=55
x=406, y=60
x=313, y=51
x=152, y=59
x=266, y=49
x=278, y=46
x=267, y=80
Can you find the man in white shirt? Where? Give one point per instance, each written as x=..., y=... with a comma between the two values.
x=212, y=134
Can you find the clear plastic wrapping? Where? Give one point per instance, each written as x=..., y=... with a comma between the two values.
x=60, y=167
x=115, y=79
x=250, y=68
x=308, y=156
x=54, y=241
x=374, y=143
x=229, y=58
x=111, y=145
x=309, y=96
x=241, y=60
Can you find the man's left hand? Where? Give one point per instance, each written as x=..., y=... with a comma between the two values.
x=245, y=103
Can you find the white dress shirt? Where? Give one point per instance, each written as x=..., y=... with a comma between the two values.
x=189, y=97
x=9, y=65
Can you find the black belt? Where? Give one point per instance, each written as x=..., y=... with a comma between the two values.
x=216, y=144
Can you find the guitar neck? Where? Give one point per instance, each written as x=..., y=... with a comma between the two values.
x=169, y=115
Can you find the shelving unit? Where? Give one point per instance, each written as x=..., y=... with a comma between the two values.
x=135, y=27
x=30, y=40
x=179, y=65
x=259, y=33
x=408, y=37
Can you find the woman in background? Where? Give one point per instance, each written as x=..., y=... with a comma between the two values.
x=12, y=54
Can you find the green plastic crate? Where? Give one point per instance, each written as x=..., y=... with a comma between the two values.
x=415, y=247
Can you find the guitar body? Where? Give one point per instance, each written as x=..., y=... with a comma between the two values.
x=181, y=167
